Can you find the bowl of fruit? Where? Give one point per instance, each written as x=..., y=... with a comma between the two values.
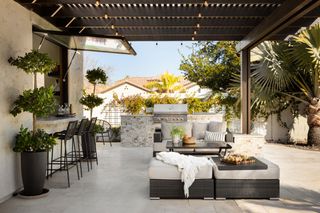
x=188, y=140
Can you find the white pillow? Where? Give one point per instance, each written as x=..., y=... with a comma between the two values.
x=215, y=136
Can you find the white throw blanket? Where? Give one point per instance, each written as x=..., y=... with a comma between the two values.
x=188, y=165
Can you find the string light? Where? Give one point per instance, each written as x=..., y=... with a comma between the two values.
x=192, y=38
x=199, y=15
x=195, y=32
x=206, y=4
x=97, y=3
x=112, y=27
x=198, y=25
x=106, y=16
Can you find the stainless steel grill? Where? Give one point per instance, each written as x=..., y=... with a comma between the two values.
x=170, y=113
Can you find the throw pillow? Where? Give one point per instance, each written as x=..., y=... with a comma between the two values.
x=199, y=130
x=166, y=129
x=214, y=136
x=215, y=126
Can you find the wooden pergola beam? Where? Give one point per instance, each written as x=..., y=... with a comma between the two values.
x=153, y=12
x=281, y=17
x=151, y=1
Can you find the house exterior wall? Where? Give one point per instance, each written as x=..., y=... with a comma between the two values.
x=122, y=91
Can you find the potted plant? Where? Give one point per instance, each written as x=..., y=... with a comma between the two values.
x=34, y=144
x=94, y=76
x=177, y=132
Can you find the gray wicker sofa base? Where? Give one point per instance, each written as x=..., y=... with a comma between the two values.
x=165, y=182
x=214, y=182
x=246, y=188
x=173, y=189
x=246, y=183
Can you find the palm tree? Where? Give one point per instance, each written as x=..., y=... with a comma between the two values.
x=169, y=83
x=290, y=70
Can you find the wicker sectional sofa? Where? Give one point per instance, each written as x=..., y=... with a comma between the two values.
x=211, y=182
x=195, y=129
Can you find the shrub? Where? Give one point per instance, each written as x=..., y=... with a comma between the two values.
x=29, y=141
x=157, y=99
x=91, y=101
x=198, y=105
x=133, y=104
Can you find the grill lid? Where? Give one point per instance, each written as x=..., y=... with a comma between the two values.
x=170, y=109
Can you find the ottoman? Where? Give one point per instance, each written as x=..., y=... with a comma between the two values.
x=165, y=182
x=247, y=183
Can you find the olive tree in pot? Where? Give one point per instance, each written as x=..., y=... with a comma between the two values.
x=34, y=144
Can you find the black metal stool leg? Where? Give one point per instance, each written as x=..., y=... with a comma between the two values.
x=61, y=154
x=51, y=164
x=66, y=161
x=79, y=155
x=76, y=160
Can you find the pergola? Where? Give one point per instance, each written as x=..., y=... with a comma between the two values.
x=247, y=21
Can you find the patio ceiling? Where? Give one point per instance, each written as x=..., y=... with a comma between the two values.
x=176, y=20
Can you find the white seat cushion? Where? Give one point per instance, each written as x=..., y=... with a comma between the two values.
x=199, y=130
x=272, y=172
x=161, y=170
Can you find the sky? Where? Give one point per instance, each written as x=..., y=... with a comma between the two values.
x=151, y=60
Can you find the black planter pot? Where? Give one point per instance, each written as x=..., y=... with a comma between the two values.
x=33, y=170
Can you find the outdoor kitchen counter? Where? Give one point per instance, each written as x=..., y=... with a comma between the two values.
x=137, y=130
x=54, y=124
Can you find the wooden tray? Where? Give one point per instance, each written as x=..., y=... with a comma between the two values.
x=248, y=161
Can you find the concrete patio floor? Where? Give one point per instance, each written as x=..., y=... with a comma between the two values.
x=120, y=184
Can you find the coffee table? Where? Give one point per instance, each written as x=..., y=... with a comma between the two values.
x=200, y=148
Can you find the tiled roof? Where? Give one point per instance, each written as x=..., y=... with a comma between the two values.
x=140, y=82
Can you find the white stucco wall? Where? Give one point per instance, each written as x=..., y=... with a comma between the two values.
x=75, y=82
x=15, y=39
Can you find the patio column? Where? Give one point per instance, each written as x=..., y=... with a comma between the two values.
x=245, y=91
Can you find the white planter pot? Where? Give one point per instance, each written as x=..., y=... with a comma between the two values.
x=176, y=138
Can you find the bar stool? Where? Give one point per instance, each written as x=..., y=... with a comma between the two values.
x=63, y=160
x=90, y=140
x=81, y=131
x=106, y=132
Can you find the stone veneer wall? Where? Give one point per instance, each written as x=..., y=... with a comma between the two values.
x=137, y=130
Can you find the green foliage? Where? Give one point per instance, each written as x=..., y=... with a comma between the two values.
x=34, y=62
x=26, y=141
x=158, y=99
x=198, y=105
x=133, y=104
x=90, y=101
x=116, y=132
x=169, y=83
x=39, y=101
x=98, y=128
x=212, y=64
x=97, y=76
x=177, y=130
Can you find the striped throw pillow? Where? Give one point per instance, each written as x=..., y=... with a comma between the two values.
x=215, y=136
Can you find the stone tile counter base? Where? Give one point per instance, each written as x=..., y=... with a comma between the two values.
x=137, y=131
